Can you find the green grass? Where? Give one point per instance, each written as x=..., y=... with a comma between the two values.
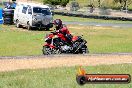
x=78, y=19
x=64, y=77
x=1, y=6
x=16, y=42
x=106, y=40
x=41, y=1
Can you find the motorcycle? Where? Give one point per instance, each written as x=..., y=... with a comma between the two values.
x=58, y=45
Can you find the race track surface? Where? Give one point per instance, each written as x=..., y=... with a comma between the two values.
x=122, y=25
x=36, y=62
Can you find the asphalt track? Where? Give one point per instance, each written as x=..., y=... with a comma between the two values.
x=122, y=25
x=63, y=55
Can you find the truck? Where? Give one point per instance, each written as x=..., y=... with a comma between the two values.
x=33, y=15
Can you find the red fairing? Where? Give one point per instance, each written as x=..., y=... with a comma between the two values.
x=50, y=36
x=60, y=34
x=50, y=45
x=74, y=38
x=47, y=44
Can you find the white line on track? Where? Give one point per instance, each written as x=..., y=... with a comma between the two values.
x=80, y=24
x=98, y=25
x=115, y=26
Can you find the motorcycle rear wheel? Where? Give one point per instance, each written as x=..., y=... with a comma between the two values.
x=84, y=50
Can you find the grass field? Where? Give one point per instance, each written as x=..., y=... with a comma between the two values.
x=64, y=77
x=1, y=6
x=100, y=40
x=16, y=42
x=78, y=19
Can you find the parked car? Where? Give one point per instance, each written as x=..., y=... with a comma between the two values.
x=33, y=16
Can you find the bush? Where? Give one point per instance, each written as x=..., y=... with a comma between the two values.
x=52, y=2
x=56, y=2
x=74, y=6
x=64, y=2
x=105, y=11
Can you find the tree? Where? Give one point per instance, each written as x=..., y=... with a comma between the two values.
x=74, y=6
x=64, y=2
x=56, y=2
x=124, y=3
x=99, y=3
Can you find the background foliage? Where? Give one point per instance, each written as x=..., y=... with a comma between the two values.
x=56, y=2
x=113, y=4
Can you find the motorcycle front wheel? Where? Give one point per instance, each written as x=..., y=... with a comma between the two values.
x=56, y=51
x=48, y=51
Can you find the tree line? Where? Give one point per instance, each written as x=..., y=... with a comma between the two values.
x=56, y=2
x=123, y=4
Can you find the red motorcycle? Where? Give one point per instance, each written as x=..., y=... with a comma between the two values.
x=56, y=43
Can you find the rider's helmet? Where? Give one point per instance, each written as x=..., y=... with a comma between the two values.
x=58, y=24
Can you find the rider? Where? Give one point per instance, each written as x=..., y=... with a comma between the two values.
x=62, y=31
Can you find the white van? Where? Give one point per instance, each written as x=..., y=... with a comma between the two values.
x=33, y=15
